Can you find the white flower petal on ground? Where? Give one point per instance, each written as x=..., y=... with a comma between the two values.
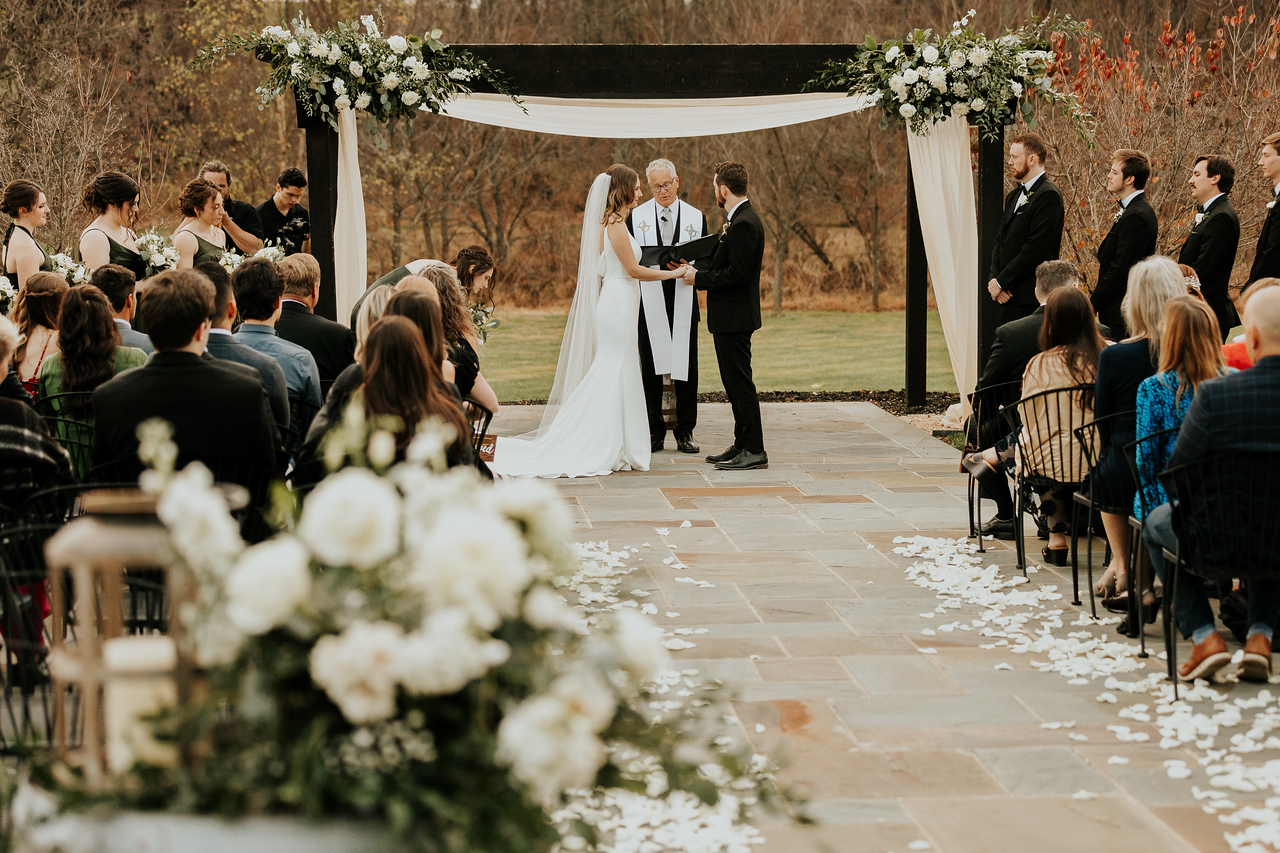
x=352, y=519
x=267, y=584
x=358, y=668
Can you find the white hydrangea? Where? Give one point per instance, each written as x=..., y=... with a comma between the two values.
x=267, y=584
x=636, y=643
x=978, y=56
x=938, y=78
x=390, y=81
x=474, y=560
x=960, y=89
x=355, y=68
x=898, y=86
x=907, y=110
x=910, y=76
x=460, y=74
x=957, y=59
x=339, y=88
x=362, y=102
x=444, y=654
x=930, y=54
x=409, y=97
x=959, y=109
x=397, y=44
x=352, y=519
x=357, y=669
x=551, y=740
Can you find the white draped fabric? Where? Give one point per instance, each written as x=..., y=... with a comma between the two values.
x=940, y=161
x=350, y=247
x=943, y=173
x=652, y=118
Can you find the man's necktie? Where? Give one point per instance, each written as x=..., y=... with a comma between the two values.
x=665, y=227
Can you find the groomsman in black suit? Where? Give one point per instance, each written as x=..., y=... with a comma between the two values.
x=1131, y=238
x=1211, y=246
x=1030, y=231
x=731, y=278
x=1266, y=260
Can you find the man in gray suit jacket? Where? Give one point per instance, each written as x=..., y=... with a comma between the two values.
x=119, y=284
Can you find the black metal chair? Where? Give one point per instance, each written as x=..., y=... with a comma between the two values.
x=72, y=404
x=20, y=482
x=1145, y=472
x=1049, y=457
x=984, y=428
x=479, y=417
x=27, y=713
x=1093, y=444
x=1226, y=514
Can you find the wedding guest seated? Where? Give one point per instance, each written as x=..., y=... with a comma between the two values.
x=331, y=344
x=222, y=344
x=24, y=439
x=36, y=313
x=1192, y=279
x=1070, y=344
x=285, y=222
x=1121, y=369
x=393, y=278
x=219, y=411
x=1238, y=412
x=1015, y=344
x=258, y=289
x=401, y=381
x=461, y=340
x=370, y=313
x=1235, y=353
x=120, y=288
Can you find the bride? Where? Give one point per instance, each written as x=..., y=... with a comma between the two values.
x=595, y=421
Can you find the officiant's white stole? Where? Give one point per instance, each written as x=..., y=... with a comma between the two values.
x=668, y=341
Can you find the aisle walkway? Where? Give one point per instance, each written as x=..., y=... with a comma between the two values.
x=814, y=626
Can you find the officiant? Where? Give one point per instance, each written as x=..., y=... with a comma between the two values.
x=668, y=309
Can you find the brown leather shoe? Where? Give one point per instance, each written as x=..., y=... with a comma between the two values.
x=1206, y=658
x=1256, y=665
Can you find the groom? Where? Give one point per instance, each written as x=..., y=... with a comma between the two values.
x=668, y=309
x=731, y=278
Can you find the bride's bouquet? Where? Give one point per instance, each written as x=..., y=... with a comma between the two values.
x=402, y=650
x=157, y=252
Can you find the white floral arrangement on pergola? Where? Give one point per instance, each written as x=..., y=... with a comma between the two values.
x=926, y=78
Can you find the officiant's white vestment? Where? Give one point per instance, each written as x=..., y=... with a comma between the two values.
x=668, y=341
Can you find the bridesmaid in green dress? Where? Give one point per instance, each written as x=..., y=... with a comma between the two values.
x=113, y=198
x=25, y=204
x=198, y=238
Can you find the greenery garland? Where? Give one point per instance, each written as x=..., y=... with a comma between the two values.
x=927, y=79
x=386, y=79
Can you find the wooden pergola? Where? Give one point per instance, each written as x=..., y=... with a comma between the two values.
x=684, y=71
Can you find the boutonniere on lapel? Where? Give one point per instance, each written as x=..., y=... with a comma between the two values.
x=1199, y=217
x=1115, y=217
x=1271, y=204
x=724, y=229
x=1023, y=200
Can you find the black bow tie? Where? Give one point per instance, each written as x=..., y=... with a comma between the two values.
x=1119, y=204
x=1200, y=208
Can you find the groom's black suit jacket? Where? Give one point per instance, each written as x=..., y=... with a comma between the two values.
x=1131, y=238
x=1029, y=236
x=731, y=276
x=1210, y=249
x=1266, y=260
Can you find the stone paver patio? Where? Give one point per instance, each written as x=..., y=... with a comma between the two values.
x=816, y=630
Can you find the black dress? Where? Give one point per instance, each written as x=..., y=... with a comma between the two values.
x=122, y=255
x=466, y=365
x=46, y=265
x=1121, y=369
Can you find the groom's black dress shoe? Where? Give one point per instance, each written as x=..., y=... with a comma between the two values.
x=745, y=461
x=656, y=444
x=686, y=444
x=1000, y=528
x=731, y=453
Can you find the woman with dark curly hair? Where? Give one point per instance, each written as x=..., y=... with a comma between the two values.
x=112, y=198
x=475, y=268
x=25, y=204
x=36, y=313
x=460, y=337
x=199, y=238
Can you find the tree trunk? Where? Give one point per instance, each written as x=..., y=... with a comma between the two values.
x=779, y=255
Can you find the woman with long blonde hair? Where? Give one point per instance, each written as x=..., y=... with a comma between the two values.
x=595, y=421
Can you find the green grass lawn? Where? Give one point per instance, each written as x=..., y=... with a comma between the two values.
x=801, y=350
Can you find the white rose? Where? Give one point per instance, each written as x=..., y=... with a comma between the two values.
x=342, y=102
x=978, y=105
x=636, y=642
x=445, y=654
x=474, y=560
x=397, y=44
x=390, y=81
x=930, y=54
x=409, y=97
x=892, y=54
x=910, y=76
x=959, y=109
x=352, y=519
x=544, y=608
x=335, y=55
x=537, y=509
x=196, y=514
x=382, y=448
x=1016, y=87
x=957, y=59
x=357, y=669
x=907, y=110
x=362, y=102
x=355, y=68
x=268, y=582
x=293, y=49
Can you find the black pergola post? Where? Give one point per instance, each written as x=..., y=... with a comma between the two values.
x=991, y=171
x=917, y=299
x=322, y=192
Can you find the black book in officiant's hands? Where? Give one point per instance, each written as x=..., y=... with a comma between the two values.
x=694, y=250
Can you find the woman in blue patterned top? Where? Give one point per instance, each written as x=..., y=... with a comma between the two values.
x=1190, y=353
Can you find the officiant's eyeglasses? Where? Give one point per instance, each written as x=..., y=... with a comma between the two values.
x=661, y=188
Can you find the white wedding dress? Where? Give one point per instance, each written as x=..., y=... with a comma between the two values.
x=602, y=425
